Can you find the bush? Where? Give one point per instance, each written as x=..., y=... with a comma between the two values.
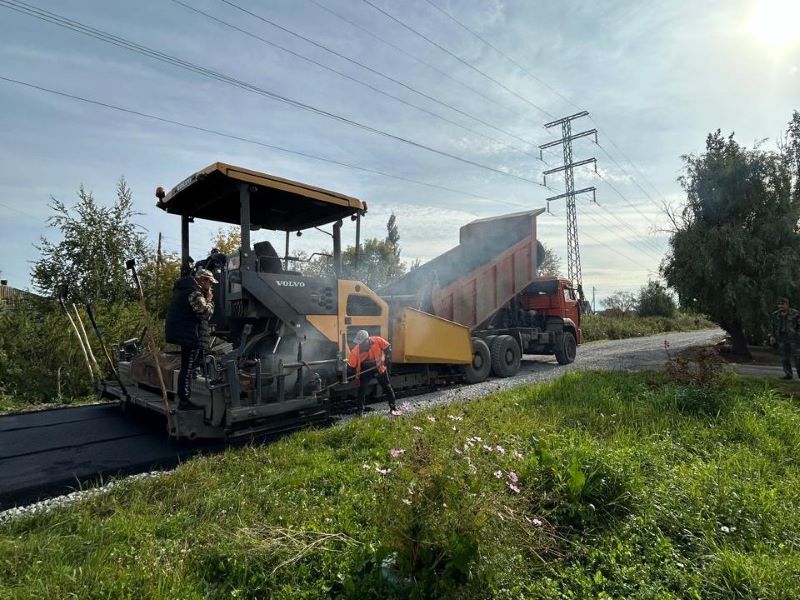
x=655, y=301
x=40, y=357
x=605, y=327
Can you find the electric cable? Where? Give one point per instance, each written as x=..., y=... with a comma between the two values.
x=78, y=27
x=458, y=58
x=241, y=139
x=371, y=70
x=402, y=51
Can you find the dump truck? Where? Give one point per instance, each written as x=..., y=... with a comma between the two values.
x=283, y=337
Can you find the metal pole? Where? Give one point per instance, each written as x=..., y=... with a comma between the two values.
x=244, y=215
x=337, y=248
x=184, y=245
x=286, y=254
x=358, y=242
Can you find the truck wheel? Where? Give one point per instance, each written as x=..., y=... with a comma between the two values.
x=506, y=356
x=565, y=352
x=481, y=362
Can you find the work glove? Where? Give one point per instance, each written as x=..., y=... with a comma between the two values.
x=387, y=356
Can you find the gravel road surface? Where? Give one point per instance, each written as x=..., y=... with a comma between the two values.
x=616, y=355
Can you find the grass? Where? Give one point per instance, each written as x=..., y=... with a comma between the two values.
x=9, y=403
x=603, y=327
x=630, y=486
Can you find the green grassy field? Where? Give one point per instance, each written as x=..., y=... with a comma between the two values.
x=598, y=485
x=602, y=327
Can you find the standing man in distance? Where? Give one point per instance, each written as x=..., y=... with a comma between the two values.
x=187, y=325
x=786, y=335
x=370, y=353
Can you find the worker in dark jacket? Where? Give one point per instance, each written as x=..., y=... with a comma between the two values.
x=786, y=335
x=370, y=356
x=187, y=326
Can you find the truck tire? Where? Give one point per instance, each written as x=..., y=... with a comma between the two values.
x=566, y=348
x=506, y=356
x=481, y=362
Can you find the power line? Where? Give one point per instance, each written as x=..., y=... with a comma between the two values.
x=500, y=52
x=606, y=222
x=458, y=58
x=612, y=249
x=23, y=213
x=557, y=93
x=625, y=198
x=78, y=27
x=367, y=68
x=238, y=138
x=402, y=51
x=621, y=168
x=346, y=76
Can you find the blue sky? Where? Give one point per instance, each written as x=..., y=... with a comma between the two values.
x=656, y=77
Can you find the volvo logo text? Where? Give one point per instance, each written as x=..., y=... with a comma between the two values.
x=291, y=283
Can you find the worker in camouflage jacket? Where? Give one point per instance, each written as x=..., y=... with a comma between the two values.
x=786, y=335
x=187, y=325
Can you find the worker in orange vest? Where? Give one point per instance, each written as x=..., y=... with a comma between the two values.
x=373, y=354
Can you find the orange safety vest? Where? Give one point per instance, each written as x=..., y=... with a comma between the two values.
x=374, y=354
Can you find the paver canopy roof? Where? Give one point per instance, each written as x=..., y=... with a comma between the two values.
x=275, y=203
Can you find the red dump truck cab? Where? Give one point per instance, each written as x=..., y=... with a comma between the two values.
x=555, y=298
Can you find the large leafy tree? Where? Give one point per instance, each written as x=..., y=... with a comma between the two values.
x=89, y=260
x=735, y=246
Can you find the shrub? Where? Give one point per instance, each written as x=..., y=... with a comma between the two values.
x=655, y=301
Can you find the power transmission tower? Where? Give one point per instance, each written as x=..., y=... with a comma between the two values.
x=573, y=249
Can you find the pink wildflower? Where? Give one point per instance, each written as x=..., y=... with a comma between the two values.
x=498, y=474
x=406, y=405
x=512, y=487
x=397, y=452
x=500, y=449
x=396, y=413
x=431, y=418
x=512, y=477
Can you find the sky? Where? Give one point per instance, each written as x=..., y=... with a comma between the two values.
x=436, y=107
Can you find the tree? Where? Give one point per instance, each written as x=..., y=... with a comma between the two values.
x=228, y=240
x=89, y=262
x=735, y=246
x=655, y=301
x=551, y=263
x=378, y=260
x=620, y=302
